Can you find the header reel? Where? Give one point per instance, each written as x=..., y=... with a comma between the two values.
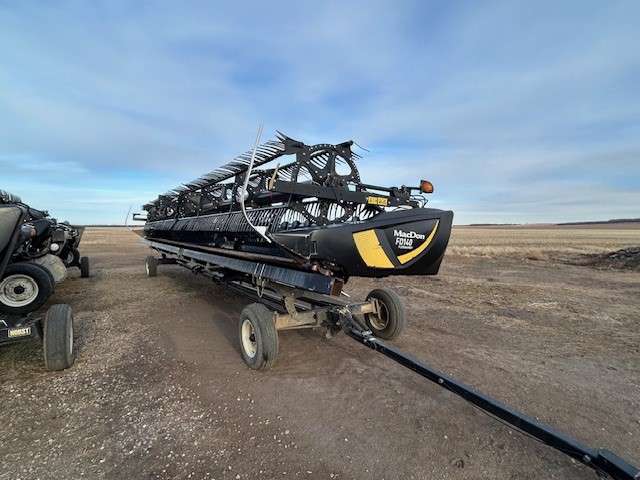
x=321, y=187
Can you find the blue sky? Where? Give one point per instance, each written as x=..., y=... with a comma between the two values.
x=517, y=111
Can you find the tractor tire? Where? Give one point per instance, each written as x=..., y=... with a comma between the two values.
x=57, y=337
x=258, y=337
x=393, y=314
x=24, y=287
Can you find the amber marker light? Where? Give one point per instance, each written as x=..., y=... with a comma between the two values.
x=426, y=186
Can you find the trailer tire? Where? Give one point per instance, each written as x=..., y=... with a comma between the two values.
x=84, y=267
x=258, y=337
x=393, y=314
x=24, y=287
x=57, y=338
x=151, y=265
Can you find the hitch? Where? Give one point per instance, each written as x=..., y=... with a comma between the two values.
x=604, y=462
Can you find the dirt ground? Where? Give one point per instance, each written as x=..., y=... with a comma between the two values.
x=159, y=389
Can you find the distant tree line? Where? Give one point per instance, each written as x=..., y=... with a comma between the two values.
x=615, y=220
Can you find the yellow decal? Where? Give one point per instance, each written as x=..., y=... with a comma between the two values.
x=382, y=201
x=19, y=332
x=370, y=249
x=414, y=253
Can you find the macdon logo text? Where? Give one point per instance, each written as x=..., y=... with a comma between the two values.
x=404, y=240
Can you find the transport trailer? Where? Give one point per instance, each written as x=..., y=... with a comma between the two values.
x=297, y=299
x=297, y=232
x=290, y=237
x=286, y=298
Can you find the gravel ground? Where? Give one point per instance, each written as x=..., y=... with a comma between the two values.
x=159, y=389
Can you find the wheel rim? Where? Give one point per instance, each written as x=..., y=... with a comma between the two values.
x=18, y=290
x=146, y=265
x=380, y=322
x=248, y=339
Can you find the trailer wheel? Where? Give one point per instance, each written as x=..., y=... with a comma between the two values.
x=58, y=338
x=393, y=315
x=84, y=267
x=25, y=287
x=151, y=264
x=258, y=337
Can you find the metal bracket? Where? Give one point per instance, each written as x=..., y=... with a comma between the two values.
x=289, y=302
x=330, y=312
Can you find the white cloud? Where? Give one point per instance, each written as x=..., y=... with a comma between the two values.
x=485, y=100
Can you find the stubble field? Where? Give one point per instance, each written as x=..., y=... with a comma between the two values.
x=532, y=315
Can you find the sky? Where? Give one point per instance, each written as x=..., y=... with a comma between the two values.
x=516, y=111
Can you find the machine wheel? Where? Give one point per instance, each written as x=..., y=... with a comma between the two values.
x=71, y=258
x=25, y=287
x=393, y=314
x=258, y=337
x=58, y=338
x=84, y=267
x=151, y=264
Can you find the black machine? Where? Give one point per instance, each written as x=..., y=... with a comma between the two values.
x=297, y=232
x=290, y=237
x=43, y=240
x=35, y=252
x=312, y=214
